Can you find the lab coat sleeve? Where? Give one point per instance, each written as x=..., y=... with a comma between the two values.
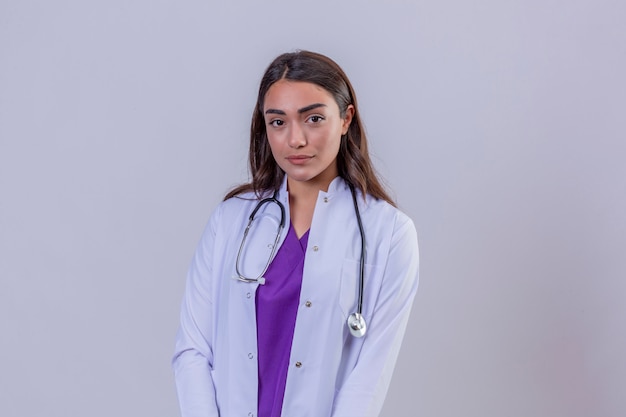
x=364, y=391
x=193, y=358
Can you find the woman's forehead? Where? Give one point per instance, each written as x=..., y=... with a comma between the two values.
x=294, y=95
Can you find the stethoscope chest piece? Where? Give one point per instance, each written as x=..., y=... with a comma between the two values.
x=357, y=325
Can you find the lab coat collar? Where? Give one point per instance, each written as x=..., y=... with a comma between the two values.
x=337, y=185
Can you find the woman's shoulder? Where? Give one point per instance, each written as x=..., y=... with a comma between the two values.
x=235, y=204
x=386, y=216
x=380, y=207
x=232, y=207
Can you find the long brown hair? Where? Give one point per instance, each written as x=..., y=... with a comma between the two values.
x=353, y=161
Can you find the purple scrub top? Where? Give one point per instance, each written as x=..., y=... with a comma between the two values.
x=276, y=310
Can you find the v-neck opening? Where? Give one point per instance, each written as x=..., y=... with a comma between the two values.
x=304, y=239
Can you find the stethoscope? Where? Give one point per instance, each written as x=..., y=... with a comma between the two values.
x=356, y=322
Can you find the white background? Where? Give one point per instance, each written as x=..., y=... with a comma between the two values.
x=500, y=126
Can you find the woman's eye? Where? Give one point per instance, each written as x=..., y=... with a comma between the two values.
x=276, y=123
x=316, y=119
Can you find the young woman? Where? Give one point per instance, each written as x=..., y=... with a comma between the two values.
x=304, y=319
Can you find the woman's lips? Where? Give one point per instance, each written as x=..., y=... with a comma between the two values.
x=299, y=159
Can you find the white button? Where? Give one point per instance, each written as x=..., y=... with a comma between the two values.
x=250, y=356
x=248, y=295
x=325, y=199
x=308, y=303
x=269, y=246
x=251, y=414
x=298, y=364
x=315, y=248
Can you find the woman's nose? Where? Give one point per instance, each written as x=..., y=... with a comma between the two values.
x=297, y=138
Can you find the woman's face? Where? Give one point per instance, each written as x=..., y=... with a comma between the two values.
x=304, y=128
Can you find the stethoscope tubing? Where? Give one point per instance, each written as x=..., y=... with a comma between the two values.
x=267, y=200
x=359, y=307
x=356, y=321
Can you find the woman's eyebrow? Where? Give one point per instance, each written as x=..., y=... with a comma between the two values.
x=300, y=111
x=274, y=111
x=311, y=107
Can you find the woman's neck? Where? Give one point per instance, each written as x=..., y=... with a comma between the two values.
x=302, y=199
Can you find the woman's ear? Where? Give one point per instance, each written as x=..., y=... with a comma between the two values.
x=347, y=119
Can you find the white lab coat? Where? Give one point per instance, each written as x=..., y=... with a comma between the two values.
x=331, y=373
